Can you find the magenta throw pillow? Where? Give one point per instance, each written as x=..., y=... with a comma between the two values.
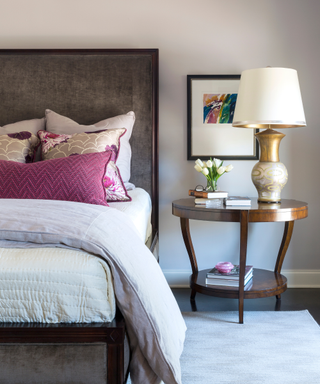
x=54, y=146
x=75, y=178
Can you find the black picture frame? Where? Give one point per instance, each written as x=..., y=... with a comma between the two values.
x=217, y=140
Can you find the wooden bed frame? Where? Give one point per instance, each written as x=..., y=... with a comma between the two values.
x=120, y=80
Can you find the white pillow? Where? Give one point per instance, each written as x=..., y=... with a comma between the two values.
x=129, y=186
x=33, y=126
x=59, y=124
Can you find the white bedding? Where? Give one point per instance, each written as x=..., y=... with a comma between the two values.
x=52, y=285
x=79, y=285
x=139, y=210
x=155, y=327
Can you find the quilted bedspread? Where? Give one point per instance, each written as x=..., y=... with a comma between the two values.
x=54, y=285
x=154, y=322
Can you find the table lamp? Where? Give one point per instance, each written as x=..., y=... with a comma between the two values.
x=269, y=98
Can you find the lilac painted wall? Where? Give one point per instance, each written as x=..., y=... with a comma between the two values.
x=203, y=37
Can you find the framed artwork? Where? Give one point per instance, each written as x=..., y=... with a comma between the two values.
x=211, y=105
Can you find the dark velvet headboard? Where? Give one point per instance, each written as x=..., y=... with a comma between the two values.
x=89, y=86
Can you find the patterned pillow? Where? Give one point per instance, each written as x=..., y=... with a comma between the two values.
x=55, y=146
x=59, y=124
x=18, y=146
x=75, y=178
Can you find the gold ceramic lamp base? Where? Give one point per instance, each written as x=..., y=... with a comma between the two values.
x=269, y=175
x=269, y=98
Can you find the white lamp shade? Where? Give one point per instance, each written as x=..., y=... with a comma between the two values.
x=269, y=97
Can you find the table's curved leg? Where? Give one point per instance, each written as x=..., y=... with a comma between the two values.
x=193, y=305
x=185, y=229
x=193, y=295
x=278, y=305
x=244, y=215
x=287, y=234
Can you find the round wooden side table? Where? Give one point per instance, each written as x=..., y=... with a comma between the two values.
x=265, y=283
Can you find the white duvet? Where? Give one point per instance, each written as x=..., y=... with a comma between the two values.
x=53, y=285
x=153, y=319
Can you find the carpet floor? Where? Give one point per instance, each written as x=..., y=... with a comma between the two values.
x=269, y=348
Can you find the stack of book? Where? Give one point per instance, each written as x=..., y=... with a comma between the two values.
x=237, y=200
x=207, y=198
x=230, y=279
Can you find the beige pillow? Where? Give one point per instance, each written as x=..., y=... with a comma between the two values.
x=18, y=147
x=59, y=124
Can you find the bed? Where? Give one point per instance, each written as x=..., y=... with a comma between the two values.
x=64, y=95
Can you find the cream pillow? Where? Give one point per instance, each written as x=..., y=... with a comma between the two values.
x=33, y=126
x=59, y=124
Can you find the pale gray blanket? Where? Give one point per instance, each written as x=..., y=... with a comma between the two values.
x=154, y=322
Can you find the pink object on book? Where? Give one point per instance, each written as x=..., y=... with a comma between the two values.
x=224, y=266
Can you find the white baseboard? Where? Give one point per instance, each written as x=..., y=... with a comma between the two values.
x=296, y=278
x=302, y=278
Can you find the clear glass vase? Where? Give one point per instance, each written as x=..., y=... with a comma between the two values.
x=212, y=185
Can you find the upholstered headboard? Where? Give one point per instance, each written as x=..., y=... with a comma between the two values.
x=88, y=86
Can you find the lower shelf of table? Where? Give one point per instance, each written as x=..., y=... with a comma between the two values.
x=264, y=284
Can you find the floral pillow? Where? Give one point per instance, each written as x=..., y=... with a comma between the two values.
x=18, y=146
x=55, y=146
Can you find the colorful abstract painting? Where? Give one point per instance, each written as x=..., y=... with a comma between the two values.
x=219, y=108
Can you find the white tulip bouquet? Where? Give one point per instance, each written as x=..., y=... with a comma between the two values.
x=212, y=169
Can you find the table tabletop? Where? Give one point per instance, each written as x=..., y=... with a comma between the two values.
x=287, y=210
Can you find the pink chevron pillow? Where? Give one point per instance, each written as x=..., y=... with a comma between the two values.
x=74, y=178
x=54, y=146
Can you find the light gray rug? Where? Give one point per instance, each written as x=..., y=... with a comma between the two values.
x=269, y=348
